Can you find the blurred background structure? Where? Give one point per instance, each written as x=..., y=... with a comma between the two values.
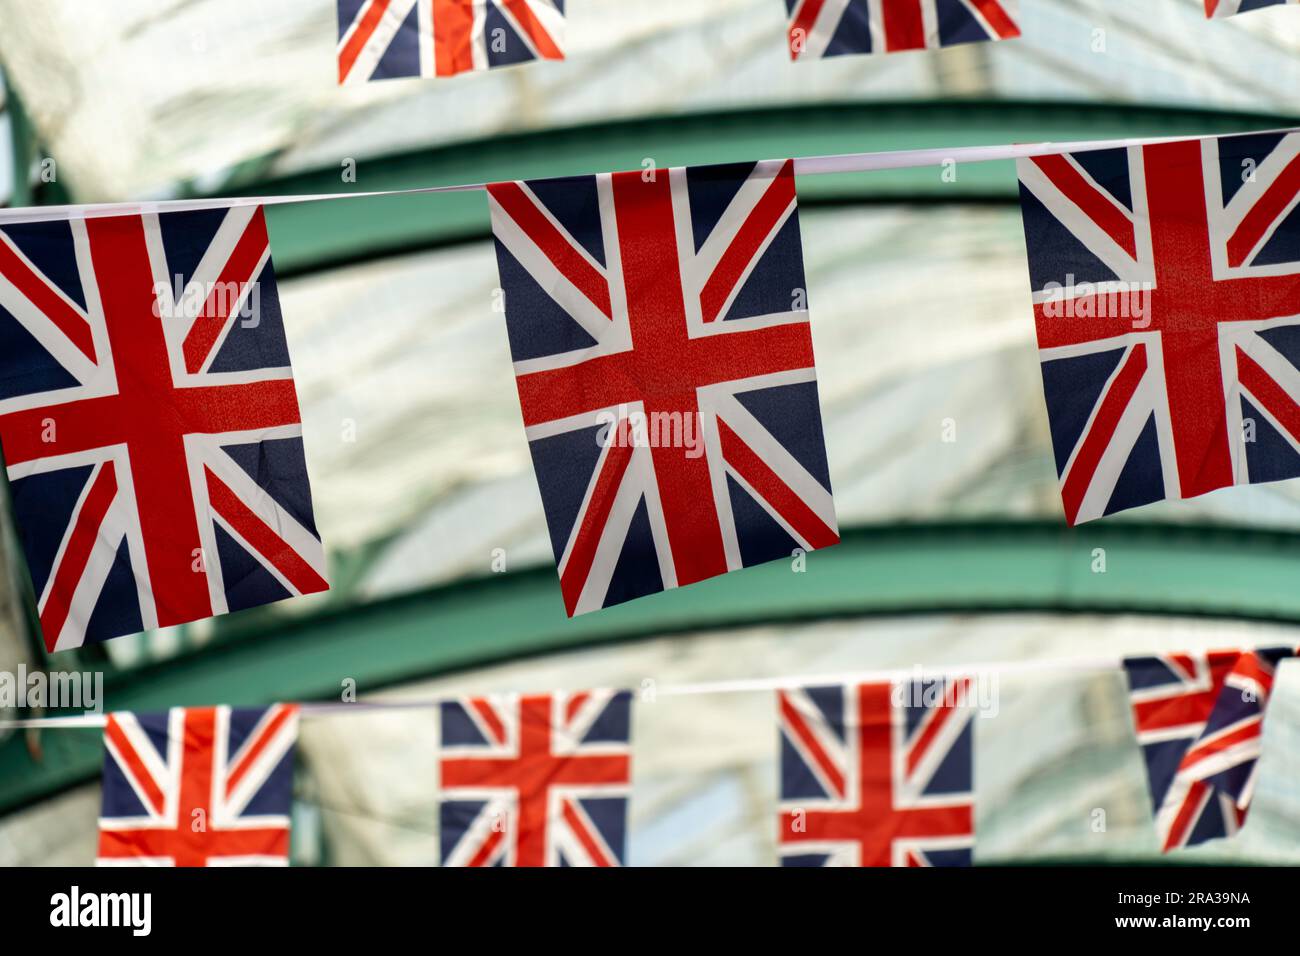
x=954, y=552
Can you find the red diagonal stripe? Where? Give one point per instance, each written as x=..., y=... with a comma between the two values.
x=254, y=748
x=935, y=720
x=801, y=25
x=553, y=244
x=488, y=850
x=760, y=476
x=239, y=271
x=1250, y=729
x=542, y=41
x=488, y=714
x=260, y=536
x=1102, y=429
x=997, y=18
x=592, y=523
x=1188, y=813
x=1252, y=667
x=578, y=825
x=38, y=291
x=1267, y=210
x=575, y=704
x=795, y=722
x=68, y=572
x=367, y=23
x=757, y=229
x=1095, y=204
x=1275, y=399
x=134, y=764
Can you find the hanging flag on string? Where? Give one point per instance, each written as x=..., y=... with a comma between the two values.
x=822, y=28
x=1228, y=8
x=877, y=774
x=386, y=39
x=149, y=422
x=541, y=780
x=204, y=786
x=1200, y=723
x=658, y=322
x=1166, y=289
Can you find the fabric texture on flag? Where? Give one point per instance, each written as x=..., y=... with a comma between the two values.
x=1200, y=722
x=204, y=786
x=386, y=39
x=149, y=422
x=1229, y=8
x=540, y=780
x=821, y=28
x=877, y=774
x=659, y=327
x=1166, y=289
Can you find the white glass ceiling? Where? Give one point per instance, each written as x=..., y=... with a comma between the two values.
x=134, y=96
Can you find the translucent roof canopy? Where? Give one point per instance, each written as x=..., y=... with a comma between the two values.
x=134, y=99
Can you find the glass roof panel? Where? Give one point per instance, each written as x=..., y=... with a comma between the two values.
x=134, y=98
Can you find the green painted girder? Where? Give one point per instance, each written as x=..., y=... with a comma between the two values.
x=317, y=235
x=902, y=569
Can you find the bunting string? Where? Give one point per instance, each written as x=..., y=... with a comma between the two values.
x=308, y=709
x=806, y=165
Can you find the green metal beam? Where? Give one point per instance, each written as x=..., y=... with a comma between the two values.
x=908, y=569
x=23, y=153
x=318, y=235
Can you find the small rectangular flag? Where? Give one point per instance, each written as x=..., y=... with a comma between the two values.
x=541, y=780
x=1228, y=8
x=877, y=774
x=386, y=39
x=202, y=786
x=1200, y=723
x=822, y=28
x=658, y=322
x=149, y=422
x=1166, y=289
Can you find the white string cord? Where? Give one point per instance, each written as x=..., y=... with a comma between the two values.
x=743, y=686
x=806, y=165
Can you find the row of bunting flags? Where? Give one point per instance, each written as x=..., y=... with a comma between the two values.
x=659, y=327
x=384, y=39
x=871, y=774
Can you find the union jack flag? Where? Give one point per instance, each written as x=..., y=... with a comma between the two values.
x=1167, y=300
x=821, y=28
x=1228, y=8
x=877, y=774
x=659, y=328
x=383, y=39
x=205, y=786
x=1200, y=721
x=541, y=780
x=149, y=422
